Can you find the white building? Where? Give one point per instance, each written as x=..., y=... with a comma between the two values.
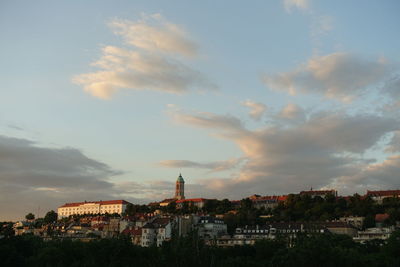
x=93, y=207
x=156, y=232
x=374, y=233
x=211, y=227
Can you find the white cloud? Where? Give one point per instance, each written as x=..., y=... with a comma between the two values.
x=209, y=120
x=339, y=75
x=149, y=65
x=257, y=110
x=155, y=34
x=299, y=4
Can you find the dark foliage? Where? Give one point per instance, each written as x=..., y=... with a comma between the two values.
x=318, y=250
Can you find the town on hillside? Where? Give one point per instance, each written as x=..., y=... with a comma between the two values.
x=222, y=223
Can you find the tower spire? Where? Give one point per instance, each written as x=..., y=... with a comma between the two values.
x=180, y=188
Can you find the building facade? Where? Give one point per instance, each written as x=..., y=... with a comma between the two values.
x=379, y=196
x=197, y=202
x=156, y=232
x=93, y=207
x=211, y=227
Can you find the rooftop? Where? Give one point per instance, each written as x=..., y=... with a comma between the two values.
x=101, y=202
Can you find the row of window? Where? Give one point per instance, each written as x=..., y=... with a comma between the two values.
x=92, y=208
x=87, y=212
x=279, y=231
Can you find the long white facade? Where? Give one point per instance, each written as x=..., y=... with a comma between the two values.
x=95, y=207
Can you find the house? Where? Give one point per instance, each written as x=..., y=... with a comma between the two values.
x=197, y=202
x=379, y=196
x=185, y=224
x=156, y=232
x=266, y=202
x=248, y=235
x=135, y=233
x=211, y=227
x=374, y=233
x=341, y=228
x=356, y=221
x=99, y=220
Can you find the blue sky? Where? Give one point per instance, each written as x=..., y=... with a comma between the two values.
x=269, y=97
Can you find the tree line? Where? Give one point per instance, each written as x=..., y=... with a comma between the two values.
x=315, y=250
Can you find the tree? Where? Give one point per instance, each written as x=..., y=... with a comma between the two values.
x=369, y=221
x=50, y=217
x=30, y=216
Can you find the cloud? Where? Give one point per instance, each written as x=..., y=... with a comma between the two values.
x=339, y=75
x=212, y=166
x=149, y=64
x=299, y=4
x=292, y=112
x=288, y=159
x=392, y=88
x=209, y=120
x=257, y=110
x=394, y=145
x=37, y=179
x=155, y=34
x=320, y=27
x=378, y=176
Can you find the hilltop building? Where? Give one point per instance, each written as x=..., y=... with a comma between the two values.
x=92, y=207
x=196, y=202
x=378, y=196
x=180, y=188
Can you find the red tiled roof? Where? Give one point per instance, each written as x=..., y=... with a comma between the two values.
x=383, y=193
x=133, y=231
x=282, y=198
x=381, y=217
x=105, y=202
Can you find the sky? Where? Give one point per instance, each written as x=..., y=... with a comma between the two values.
x=113, y=99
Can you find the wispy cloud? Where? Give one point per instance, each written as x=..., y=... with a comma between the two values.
x=215, y=166
x=153, y=33
x=151, y=62
x=339, y=75
x=257, y=109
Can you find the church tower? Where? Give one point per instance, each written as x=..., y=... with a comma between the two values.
x=180, y=188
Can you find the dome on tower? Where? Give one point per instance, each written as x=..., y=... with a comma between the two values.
x=180, y=179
